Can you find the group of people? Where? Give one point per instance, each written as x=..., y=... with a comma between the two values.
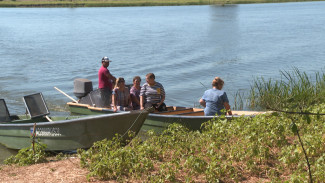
x=152, y=94
x=120, y=98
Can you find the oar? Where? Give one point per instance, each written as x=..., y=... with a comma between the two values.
x=48, y=118
x=66, y=94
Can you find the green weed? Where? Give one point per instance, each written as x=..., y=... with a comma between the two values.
x=226, y=151
x=28, y=156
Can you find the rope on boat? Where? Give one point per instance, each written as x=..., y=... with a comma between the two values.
x=146, y=110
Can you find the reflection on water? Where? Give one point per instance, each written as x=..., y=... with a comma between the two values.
x=6, y=153
x=224, y=35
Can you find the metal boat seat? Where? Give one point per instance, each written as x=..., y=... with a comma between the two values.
x=4, y=112
x=35, y=105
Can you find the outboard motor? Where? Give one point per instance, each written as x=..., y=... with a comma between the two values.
x=82, y=87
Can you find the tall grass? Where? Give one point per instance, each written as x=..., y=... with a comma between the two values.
x=239, y=100
x=295, y=91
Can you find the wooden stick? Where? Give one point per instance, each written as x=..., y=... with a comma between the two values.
x=66, y=95
x=33, y=135
x=48, y=118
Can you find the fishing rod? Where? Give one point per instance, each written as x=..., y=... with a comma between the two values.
x=203, y=85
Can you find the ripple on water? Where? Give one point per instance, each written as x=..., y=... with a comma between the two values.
x=184, y=46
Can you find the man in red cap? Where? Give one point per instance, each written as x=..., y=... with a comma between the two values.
x=105, y=82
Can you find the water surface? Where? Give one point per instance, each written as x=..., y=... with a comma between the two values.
x=183, y=45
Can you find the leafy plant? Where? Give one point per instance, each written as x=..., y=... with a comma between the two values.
x=225, y=150
x=29, y=156
x=295, y=94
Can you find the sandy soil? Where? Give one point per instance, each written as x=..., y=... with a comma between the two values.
x=67, y=171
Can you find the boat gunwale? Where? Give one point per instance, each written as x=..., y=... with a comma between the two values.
x=166, y=116
x=193, y=117
x=82, y=118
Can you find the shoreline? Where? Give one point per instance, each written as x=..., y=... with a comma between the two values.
x=129, y=3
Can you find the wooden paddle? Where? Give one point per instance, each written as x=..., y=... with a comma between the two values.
x=66, y=94
x=48, y=118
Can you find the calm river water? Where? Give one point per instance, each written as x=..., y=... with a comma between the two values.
x=183, y=45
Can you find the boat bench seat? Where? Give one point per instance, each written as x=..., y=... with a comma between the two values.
x=35, y=105
x=175, y=112
x=175, y=108
x=194, y=113
x=4, y=112
x=170, y=108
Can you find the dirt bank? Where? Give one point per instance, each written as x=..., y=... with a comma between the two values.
x=67, y=171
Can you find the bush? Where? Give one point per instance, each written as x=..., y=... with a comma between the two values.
x=27, y=156
x=226, y=151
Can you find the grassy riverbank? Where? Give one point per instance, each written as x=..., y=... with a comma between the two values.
x=283, y=146
x=121, y=3
x=260, y=149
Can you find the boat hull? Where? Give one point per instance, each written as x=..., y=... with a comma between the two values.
x=71, y=134
x=158, y=122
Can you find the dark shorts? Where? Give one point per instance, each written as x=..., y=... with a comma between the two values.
x=106, y=96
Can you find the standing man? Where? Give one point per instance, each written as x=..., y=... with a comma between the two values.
x=105, y=82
